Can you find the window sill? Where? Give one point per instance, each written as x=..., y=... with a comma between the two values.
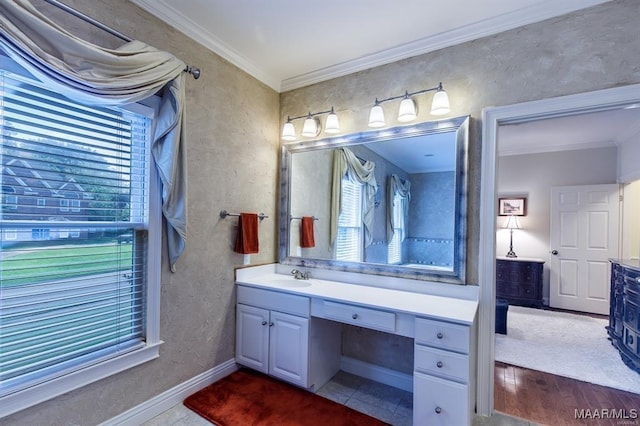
x=36, y=394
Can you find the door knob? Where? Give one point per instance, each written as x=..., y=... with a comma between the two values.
x=554, y=252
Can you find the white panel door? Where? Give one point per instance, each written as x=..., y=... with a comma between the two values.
x=289, y=348
x=584, y=236
x=252, y=337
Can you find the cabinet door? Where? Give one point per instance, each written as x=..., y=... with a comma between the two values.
x=289, y=348
x=252, y=337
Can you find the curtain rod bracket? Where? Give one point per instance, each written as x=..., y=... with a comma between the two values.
x=195, y=72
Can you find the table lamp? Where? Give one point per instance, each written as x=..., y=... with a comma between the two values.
x=511, y=224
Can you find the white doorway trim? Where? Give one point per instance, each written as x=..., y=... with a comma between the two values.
x=492, y=118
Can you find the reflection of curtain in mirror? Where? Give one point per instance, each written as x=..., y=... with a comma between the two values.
x=398, y=190
x=346, y=163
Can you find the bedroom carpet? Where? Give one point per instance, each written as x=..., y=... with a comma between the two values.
x=564, y=344
x=247, y=398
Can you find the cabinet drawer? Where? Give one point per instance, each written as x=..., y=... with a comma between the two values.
x=443, y=335
x=439, y=402
x=358, y=315
x=448, y=365
x=283, y=302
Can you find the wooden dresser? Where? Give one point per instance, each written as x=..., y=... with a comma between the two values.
x=519, y=280
x=624, y=315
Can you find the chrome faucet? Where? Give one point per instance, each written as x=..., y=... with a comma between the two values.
x=299, y=275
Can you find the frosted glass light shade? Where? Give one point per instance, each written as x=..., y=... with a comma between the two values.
x=311, y=127
x=407, y=111
x=288, y=132
x=440, y=104
x=332, y=125
x=376, y=117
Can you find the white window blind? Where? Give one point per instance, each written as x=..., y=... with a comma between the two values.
x=349, y=241
x=73, y=265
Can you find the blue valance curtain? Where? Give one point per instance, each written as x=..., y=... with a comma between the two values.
x=96, y=75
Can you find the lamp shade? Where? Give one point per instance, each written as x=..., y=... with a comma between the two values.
x=332, y=125
x=288, y=131
x=511, y=223
x=407, y=111
x=440, y=104
x=311, y=127
x=376, y=117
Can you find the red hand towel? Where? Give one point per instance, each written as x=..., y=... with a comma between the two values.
x=307, y=239
x=247, y=237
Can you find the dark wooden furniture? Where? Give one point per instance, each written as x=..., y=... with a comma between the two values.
x=519, y=281
x=624, y=312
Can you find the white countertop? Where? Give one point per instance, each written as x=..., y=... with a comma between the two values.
x=438, y=307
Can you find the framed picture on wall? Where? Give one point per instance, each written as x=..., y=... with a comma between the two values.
x=513, y=206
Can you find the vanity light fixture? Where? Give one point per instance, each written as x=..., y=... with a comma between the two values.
x=408, y=110
x=311, y=127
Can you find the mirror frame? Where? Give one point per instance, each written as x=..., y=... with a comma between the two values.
x=456, y=276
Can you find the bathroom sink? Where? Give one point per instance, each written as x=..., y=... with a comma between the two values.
x=290, y=282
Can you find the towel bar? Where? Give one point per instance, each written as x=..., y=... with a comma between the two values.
x=224, y=214
x=299, y=218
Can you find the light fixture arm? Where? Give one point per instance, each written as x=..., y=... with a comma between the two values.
x=310, y=115
x=408, y=95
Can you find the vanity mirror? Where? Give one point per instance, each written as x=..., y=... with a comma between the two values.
x=397, y=196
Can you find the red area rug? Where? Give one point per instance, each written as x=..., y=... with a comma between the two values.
x=247, y=398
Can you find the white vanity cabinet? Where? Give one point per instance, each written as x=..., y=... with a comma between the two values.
x=444, y=371
x=273, y=342
x=291, y=329
x=274, y=332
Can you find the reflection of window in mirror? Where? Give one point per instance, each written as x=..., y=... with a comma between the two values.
x=394, y=249
x=349, y=241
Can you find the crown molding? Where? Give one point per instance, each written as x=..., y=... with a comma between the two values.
x=177, y=19
x=487, y=27
x=543, y=149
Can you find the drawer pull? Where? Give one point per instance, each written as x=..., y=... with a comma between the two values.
x=438, y=410
x=264, y=323
x=439, y=364
x=440, y=335
x=270, y=324
x=354, y=316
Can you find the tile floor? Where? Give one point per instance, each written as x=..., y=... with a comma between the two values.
x=384, y=402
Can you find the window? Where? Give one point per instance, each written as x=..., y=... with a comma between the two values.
x=72, y=299
x=9, y=200
x=39, y=234
x=349, y=241
x=41, y=202
x=394, y=249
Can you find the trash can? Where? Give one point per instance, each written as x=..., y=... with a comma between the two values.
x=502, y=306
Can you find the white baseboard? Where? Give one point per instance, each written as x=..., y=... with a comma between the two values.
x=171, y=397
x=379, y=374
